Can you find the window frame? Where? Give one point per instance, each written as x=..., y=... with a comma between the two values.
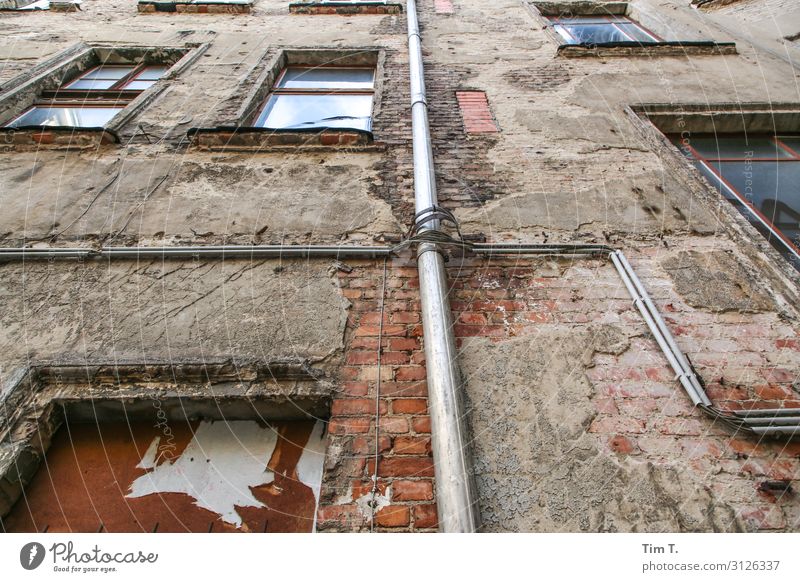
x=707, y=163
x=277, y=90
x=611, y=18
x=116, y=96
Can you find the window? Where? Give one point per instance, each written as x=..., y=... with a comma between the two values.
x=91, y=99
x=759, y=174
x=320, y=97
x=593, y=30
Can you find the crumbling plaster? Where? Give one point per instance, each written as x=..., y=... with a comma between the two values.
x=537, y=468
x=172, y=310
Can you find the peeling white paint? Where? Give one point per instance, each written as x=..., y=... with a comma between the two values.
x=219, y=466
x=310, y=465
x=149, y=459
x=381, y=501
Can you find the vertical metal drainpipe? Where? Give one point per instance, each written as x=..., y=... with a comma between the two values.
x=455, y=489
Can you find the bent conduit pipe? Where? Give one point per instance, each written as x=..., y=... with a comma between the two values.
x=455, y=490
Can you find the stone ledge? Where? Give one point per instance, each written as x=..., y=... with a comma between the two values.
x=580, y=8
x=259, y=138
x=55, y=138
x=345, y=8
x=196, y=7
x=648, y=49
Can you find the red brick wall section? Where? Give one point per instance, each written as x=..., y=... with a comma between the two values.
x=475, y=111
x=443, y=6
x=641, y=409
x=405, y=468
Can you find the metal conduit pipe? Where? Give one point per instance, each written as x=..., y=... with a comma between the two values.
x=688, y=371
x=654, y=329
x=455, y=489
x=222, y=251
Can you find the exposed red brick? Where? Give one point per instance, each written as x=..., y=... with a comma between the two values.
x=425, y=516
x=475, y=112
x=393, y=516
x=349, y=425
x=410, y=373
x=405, y=467
x=356, y=406
x=404, y=389
x=412, y=490
x=410, y=406
x=622, y=445
x=394, y=424
x=421, y=424
x=412, y=445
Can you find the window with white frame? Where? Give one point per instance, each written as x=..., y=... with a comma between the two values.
x=319, y=97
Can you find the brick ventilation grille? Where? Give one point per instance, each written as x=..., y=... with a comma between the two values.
x=475, y=110
x=443, y=6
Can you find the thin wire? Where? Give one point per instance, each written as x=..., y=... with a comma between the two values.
x=378, y=403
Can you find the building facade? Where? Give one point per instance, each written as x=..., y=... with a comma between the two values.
x=212, y=316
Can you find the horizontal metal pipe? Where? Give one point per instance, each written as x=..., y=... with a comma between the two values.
x=768, y=412
x=772, y=420
x=222, y=251
x=497, y=249
x=776, y=430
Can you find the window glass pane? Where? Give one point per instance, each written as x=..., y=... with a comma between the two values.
x=737, y=146
x=152, y=74
x=792, y=142
x=91, y=84
x=773, y=188
x=308, y=111
x=594, y=33
x=99, y=78
x=108, y=72
x=589, y=19
x=139, y=85
x=327, y=78
x=636, y=32
x=67, y=116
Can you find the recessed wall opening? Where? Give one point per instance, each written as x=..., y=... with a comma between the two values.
x=751, y=157
x=176, y=476
x=159, y=462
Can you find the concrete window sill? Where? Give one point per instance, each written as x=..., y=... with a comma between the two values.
x=55, y=138
x=262, y=139
x=196, y=7
x=648, y=49
x=345, y=8
x=37, y=5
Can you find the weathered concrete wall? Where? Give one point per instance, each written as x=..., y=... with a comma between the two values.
x=169, y=311
x=578, y=422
